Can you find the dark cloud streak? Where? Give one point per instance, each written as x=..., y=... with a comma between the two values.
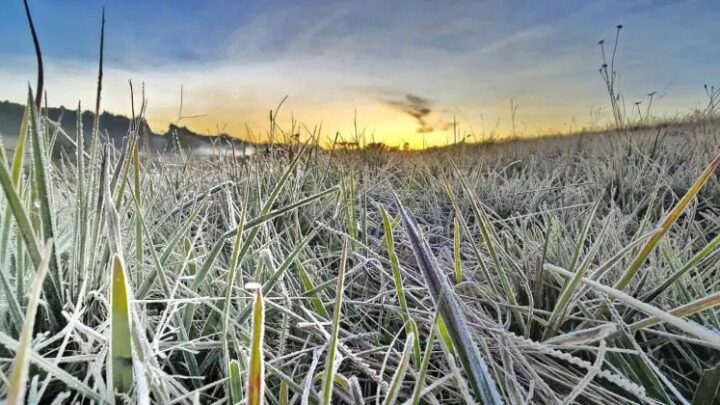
x=419, y=108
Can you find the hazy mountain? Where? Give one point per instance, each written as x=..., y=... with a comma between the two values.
x=115, y=128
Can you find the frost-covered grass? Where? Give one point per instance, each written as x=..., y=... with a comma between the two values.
x=547, y=271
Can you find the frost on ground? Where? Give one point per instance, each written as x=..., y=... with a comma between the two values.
x=571, y=269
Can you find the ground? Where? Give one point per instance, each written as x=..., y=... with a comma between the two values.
x=502, y=224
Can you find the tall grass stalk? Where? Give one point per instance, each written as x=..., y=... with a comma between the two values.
x=329, y=376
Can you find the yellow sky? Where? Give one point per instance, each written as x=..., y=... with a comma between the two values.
x=376, y=122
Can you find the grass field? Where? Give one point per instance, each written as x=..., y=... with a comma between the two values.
x=580, y=269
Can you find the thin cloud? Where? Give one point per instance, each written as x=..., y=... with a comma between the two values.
x=421, y=109
x=416, y=107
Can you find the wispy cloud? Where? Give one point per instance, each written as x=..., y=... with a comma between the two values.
x=421, y=109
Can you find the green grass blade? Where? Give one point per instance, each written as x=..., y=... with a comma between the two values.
x=267, y=216
x=577, y=252
x=230, y=283
x=395, y=265
x=696, y=259
x=269, y=284
x=54, y=370
x=19, y=155
x=570, y=287
x=42, y=187
x=400, y=371
x=708, y=336
x=81, y=223
x=139, y=203
x=159, y=262
x=22, y=217
x=122, y=170
x=159, y=271
x=256, y=372
x=19, y=375
x=707, y=391
x=420, y=383
x=683, y=311
x=16, y=170
x=456, y=251
x=669, y=220
x=121, y=362
x=309, y=286
x=410, y=324
x=444, y=334
x=180, y=234
x=41, y=180
x=486, y=230
x=350, y=197
x=253, y=225
x=475, y=248
x=328, y=379
x=284, y=397
x=112, y=218
x=10, y=296
x=235, y=382
x=5, y=276
x=281, y=183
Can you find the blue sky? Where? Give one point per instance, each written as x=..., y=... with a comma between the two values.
x=237, y=60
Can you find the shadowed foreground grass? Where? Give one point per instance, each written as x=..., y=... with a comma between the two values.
x=552, y=271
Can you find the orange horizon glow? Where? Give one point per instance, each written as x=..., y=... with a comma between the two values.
x=376, y=123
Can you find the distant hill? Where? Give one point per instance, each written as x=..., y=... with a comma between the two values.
x=115, y=129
